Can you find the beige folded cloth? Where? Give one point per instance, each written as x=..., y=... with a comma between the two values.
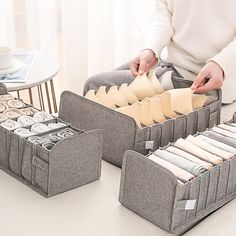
x=129, y=95
x=195, y=150
x=228, y=127
x=210, y=148
x=199, y=101
x=142, y=87
x=132, y=111
x=178, y=172
x=91, y=96
x=166, y=106
x=181, y=100
x=145, y=112
x=224, y=132
x=189, y=157
x=118, y=98
x=104, y=99
x=155, y=82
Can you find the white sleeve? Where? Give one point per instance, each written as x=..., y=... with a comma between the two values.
x=226, y=59
x=161, y=29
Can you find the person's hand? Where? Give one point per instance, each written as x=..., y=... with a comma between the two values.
x=143, y=62
x=210, y=77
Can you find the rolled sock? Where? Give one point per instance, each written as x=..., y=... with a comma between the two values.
x=197, y=151
x=181, y=162
x=221, y=138
x=228, y=127
x=190, y=157
x=218, y=144
x=210, y=148
x=224, y=132
x=178, y=172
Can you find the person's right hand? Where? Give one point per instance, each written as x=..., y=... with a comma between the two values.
x=143, y=62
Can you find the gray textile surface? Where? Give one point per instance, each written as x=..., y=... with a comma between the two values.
x=220, y=138
x=73, y=161
x=181, y=162
x=142, y=193
x=145, y=185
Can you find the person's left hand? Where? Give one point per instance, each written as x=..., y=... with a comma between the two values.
x=210, y=77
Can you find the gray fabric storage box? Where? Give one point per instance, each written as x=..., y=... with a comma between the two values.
x=73, y=161
x=151, y=191
x=121, y=133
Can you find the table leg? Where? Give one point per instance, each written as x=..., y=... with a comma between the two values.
x=53, y=96
x=30, y=96
x=41, y=92
x=48, y=98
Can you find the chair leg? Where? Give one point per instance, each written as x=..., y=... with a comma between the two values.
x=30, y=96
x=41, y=92
x=48, y=98
x=40, y=100
x=53, y=96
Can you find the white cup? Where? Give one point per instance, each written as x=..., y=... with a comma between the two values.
x=6, y=58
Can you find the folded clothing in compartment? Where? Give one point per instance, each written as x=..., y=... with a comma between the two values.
x=150, y=184
x=46, y=153
x=122, y=133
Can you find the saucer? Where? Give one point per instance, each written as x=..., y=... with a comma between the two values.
x=17, y=65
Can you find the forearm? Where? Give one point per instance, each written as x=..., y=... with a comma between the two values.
x=161, y=29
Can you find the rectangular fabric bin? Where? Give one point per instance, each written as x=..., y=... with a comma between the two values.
x=121, y=132
x=152, y=192
x=72, y=162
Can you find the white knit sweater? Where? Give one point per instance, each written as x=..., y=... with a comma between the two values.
x=193, y=32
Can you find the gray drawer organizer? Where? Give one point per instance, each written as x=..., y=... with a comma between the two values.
x=121, y=133
x=72, y=162
x=151, y=191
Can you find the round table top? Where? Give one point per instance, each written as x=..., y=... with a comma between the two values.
x=45, y=66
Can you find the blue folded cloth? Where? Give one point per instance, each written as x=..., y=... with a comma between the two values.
x=181, y=162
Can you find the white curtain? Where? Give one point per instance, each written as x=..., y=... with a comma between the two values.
x=88, y=36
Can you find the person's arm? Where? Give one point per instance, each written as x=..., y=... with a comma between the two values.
x=160, y=34
x=218, y=68
x=161, y=29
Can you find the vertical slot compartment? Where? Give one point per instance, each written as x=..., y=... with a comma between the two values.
x=167, y=132
x=203, y=119
x=203, y=190
x=192, y=119
x=155, y=136
x=223, y=180
x=179, y=212
x=232, y=177
x=179, y=127
x=194, y=195
x=213, y=185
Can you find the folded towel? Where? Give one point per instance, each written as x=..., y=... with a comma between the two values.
x=228, y=127
x=224, y=132
x=218, y=144
x=221, y=138
x=210, y=148
x=178, y=172
x=181, y=162
x=195, y=150
x=190, y=157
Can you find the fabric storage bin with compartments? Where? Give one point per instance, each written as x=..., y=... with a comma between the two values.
x=121, y=132
x=60, y=158
x=153, y=190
